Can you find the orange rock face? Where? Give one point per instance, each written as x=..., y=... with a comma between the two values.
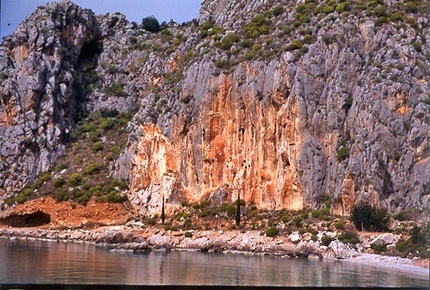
x=238, y=144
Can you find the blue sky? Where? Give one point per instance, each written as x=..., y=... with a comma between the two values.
x=13, y=12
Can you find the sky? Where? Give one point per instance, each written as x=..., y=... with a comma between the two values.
x=13, y=12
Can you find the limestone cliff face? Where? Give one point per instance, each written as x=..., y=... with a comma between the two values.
x=41, y=65
x=288, y=112
x=286, y=131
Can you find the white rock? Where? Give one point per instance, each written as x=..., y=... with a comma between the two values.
x=385, y=239
x=294, y=237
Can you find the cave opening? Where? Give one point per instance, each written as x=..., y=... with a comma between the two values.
x=88, y=56
x=35, y=219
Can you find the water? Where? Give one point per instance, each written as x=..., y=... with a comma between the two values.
x=69, y=263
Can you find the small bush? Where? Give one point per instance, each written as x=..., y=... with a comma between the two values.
x=295, y=44
x=339, y=225
x=92, y=169
x=308, y=39
x=410, y=7
x=207, y=25
x=316, y=213
x=187, y=223
x=115, y=197
x=188, y=234
x=381, y=20
x=107, y=124
x=59, y=182
x=380, y=11
x=203, y=213
x=348, y=103
x=344, y=6
x=396, y=16
x=84, y=199
x=62, y=195
x=74, y=179
x=325, y=211
x=257, y=27
x=342, y=153
x=116, y=89
x=222, y=64
x=204, y=203
x=286, y=30
x=378, y=249
x=10, y=201
x=326, y=240
x=278, y=10
x=418, y=237
x=231, y=209
x=98, y=146
x=179, y=215
x=298, y=221
x=417, y=46
x=404, y=246
x=228, y=41
x=247, y=43
x=327, y=38
x=272, y=231
x=349, y=237
x=21, y=198
x=87, y=127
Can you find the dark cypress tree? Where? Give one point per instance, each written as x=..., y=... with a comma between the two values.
x=238, y=210
x=163, y=215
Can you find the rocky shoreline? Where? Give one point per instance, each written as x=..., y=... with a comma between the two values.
x=135, y=240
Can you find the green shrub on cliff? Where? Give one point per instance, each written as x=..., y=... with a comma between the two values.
x=349, y=237
x=59, y=182
x=342, y=153
x=74, y=179
x=272, y=231
x=115, y=197
x=326, y=240
x=228, y=41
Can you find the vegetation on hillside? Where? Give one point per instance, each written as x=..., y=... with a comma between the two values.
x=85, y=172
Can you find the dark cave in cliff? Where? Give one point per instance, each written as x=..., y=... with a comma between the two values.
x=88, y=55
x=35, y=219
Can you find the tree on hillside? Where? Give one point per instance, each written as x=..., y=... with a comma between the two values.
x=151, y=24
x=369, y=217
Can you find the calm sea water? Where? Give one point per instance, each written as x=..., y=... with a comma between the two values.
x=70, y=263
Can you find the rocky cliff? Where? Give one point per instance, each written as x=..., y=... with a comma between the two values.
x=286, y=103
x=42, y=66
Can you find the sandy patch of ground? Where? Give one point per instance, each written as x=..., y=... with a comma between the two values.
x=69, y=214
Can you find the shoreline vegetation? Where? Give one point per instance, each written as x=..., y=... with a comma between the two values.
x=133, y=239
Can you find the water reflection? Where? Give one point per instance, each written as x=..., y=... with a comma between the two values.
x=44, y=262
